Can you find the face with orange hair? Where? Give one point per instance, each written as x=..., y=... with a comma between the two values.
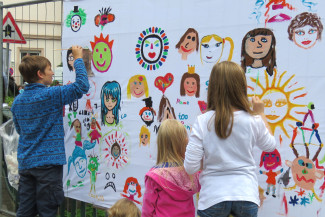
x=132, y=187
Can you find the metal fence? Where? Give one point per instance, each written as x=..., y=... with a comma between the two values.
x=40, y=23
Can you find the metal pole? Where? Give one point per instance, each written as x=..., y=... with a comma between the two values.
x=7, y=69
x=1, y=96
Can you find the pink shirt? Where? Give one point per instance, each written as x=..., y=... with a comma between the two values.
x=169, y=192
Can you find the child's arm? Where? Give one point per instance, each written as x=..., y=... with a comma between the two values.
x=265, y=139
x=258, y=108
x=194, y=150
x=73, y=91
x=150, y=197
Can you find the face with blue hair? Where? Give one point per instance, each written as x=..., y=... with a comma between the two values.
x=110, y=102
x=79, y=161
x=80, y=165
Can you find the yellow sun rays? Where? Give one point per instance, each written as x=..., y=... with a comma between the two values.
x=275, y=86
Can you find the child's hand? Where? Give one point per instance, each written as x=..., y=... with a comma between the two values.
x=77, y=52
x=258, y=105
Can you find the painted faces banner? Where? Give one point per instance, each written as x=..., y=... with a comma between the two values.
x=148, y=61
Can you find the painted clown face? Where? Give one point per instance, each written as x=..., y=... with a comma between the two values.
x=259, y=46
x=271, y=160
x=151, y=48
x=132, y=190
x=80, y=165
x=190, y=86
x=102, y=57
x=137, y=88
x=304, y=173
x=305, y=37
x=275, y=106
x=144, y=139
x=75, y=23
x=189, y=44
x=211, y=51
x=147, y=115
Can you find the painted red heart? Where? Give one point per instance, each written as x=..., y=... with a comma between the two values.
x=162, y=83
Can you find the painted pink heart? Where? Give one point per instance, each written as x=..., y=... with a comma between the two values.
x=162, y=83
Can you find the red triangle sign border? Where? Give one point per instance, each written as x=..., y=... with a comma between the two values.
x=22, y=39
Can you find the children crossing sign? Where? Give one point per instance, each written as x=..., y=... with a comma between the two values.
x=10, y=31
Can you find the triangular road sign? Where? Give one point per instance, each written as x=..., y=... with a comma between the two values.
x=10, y=31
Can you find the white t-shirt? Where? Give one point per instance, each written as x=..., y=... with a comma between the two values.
x=228, y=165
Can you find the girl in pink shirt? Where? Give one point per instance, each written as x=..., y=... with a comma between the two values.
x=169, y=189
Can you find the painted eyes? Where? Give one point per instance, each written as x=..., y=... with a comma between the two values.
x=312, y=31
x=113, y=99
x=281, y=102
x=189, y=38
x=156, y=45
x=148, y=113
x=70, y=58
x=278, y=103
x=264, y=40
x=218, y=44
x=300, y=32
x=267, y=103
x=205, y=45
x=302, y=163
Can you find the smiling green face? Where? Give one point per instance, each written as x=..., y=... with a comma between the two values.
x=102, y=57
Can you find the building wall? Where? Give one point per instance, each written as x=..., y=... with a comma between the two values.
x=40, y=25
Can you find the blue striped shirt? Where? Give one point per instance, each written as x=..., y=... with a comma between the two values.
x=38, y=118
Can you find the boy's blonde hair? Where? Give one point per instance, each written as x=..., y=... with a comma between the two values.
x=30, y=65
x=227, y=91
x=124, y=208
x=171, y=140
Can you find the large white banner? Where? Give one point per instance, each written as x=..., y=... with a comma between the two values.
x=151, y=60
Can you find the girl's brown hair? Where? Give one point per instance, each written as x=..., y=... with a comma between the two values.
x=124, y=208
x=269, y=61
x=171, y=140
x=227, y=91
x=197, y=79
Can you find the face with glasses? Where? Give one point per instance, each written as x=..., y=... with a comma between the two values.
x=188, y=46
x=71, y=60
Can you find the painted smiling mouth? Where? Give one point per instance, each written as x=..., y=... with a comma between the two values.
x=306, y=42
x=147, y=119
x=152, y=55
x=137, y=93
x=272, y=117
x=208, y=57
x=190, y=91
x=110, y=184
x=101, y=65
x=185, y=50
x=303, y=178
x=270, y=165
x=257, y=52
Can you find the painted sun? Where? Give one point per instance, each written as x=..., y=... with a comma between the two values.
x=278, y=97
x=115, y=151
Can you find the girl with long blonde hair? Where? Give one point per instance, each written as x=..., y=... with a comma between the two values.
x=169, y=189
x=223, y=138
